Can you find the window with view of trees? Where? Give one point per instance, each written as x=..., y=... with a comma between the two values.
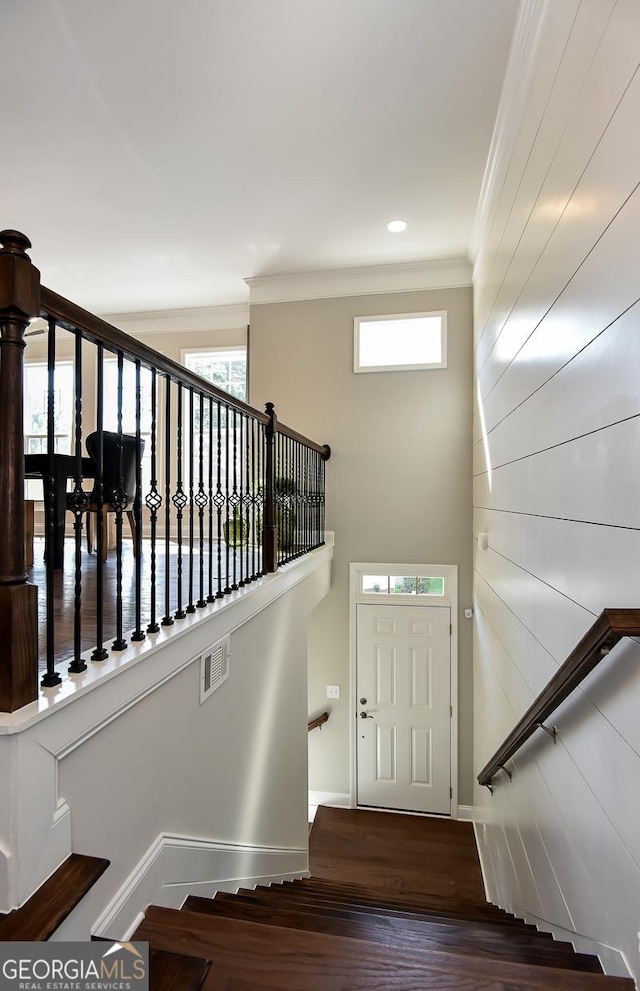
x=226, y=368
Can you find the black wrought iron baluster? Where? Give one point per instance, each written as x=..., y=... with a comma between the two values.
x=302, y=528
x=77, y=503
x=246, y=498
x=100, y=652
x=251, y=457
x=227, y=528
x=241, y=536
x=262, y=475
x=234, y=501
x=296, y=498
x=119, y=501
x=315, y=480
x=290, y=497
x=153, y=502
x=301, y=503
x=138, y=634
x=179, y=501
x=320, y=500
x=211, y=597
x=167, y=619
x=276, y=475
x=191, y=607
x=285, y=500
x=201, y=502
x=219, y=498
x=51, y=676
x=309, y=503
x=281, y=469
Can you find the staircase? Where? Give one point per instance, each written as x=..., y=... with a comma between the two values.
x=335, y=934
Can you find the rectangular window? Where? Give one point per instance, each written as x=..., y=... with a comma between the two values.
x=402, y=342
x=402, y=585
x=226, y=368
x=36, y=390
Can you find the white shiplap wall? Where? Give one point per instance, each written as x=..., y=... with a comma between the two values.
x=557, y=470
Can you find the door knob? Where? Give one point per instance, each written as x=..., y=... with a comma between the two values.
x=365, y=715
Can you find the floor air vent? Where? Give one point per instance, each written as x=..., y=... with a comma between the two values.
x=214, y=668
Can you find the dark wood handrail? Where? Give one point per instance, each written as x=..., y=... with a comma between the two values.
x=318, y=721
x=95, y=329
x=610, y=627
x=98, y=331
x=22, y=297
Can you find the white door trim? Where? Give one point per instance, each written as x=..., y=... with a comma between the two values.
x=450, y=598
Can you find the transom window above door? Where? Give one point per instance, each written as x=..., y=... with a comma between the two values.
x=402, y=585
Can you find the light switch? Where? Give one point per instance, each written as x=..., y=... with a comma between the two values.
x=333, y=691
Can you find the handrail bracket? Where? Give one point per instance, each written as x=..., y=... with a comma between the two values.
x=551, y=730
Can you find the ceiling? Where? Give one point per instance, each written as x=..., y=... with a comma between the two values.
x=158, y=153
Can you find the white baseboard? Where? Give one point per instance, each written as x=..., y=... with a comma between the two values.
x=613, y=961
x=466, y=813
x=176, y=866
x=334, y=799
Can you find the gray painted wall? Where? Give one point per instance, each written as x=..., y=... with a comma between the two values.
x=399, y=479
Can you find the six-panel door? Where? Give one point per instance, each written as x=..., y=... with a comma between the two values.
x=404, y=707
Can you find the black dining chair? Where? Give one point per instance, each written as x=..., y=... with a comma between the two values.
x=113, y=469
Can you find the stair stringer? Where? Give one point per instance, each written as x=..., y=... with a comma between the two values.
x=177, y=866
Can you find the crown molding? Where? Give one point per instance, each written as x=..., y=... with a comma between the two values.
x=201, y=318
x=515, y=91
x=441, y=273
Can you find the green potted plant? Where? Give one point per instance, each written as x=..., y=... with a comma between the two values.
x=236, y=529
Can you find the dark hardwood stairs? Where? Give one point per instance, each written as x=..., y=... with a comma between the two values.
x=336, y=934
x=47, y=909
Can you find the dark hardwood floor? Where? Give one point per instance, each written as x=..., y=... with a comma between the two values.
x=379, y=913
x=403, y=853
x=64, y=591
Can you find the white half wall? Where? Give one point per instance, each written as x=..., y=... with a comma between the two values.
x=133, y=756
x=556, y=477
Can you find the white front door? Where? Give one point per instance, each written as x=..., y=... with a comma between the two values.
x=403, y=679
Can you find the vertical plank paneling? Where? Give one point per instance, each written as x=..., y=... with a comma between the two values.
x=557, y=487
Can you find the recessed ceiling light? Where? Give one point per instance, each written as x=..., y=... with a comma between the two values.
x=397, y=226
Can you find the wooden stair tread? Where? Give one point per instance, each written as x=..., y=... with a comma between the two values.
x=414, y=897
x=405, y=909
x=378, y=930
x=409, y=898
x=176, y=971
x=394, y=852
x=263, y=956
x=399, y=920
x=41, y=915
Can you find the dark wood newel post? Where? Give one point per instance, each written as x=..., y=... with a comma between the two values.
x=269, y=540
x=19, y=300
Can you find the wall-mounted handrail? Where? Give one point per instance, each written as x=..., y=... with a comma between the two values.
x=317, y=722
x=610, y=627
